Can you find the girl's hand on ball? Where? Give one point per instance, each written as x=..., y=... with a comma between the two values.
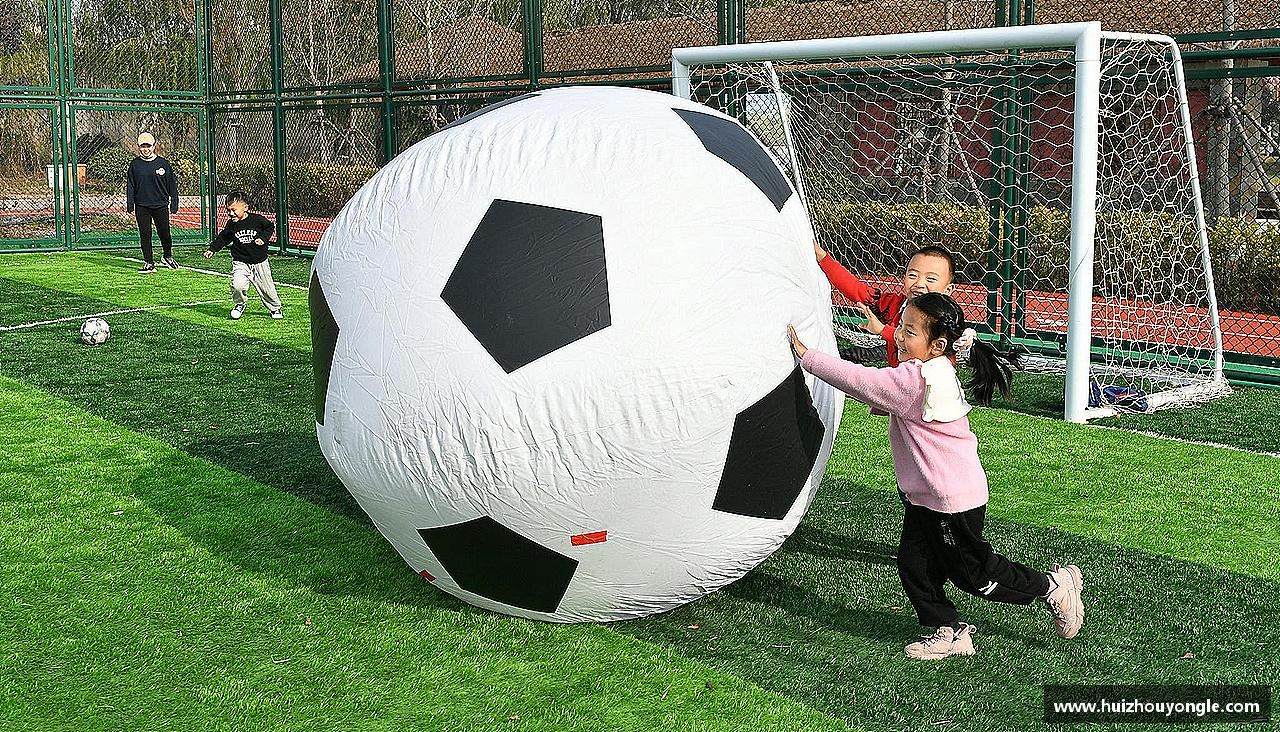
x=818, y=251
x=796, y=345
x=261, y=243
x=208, y=254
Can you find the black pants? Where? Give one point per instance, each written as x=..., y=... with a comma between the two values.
x=936, y=547
x=865, y=354
x=160, y=215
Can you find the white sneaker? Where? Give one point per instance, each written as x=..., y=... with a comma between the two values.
x=277, y=315
x=944, y=642
x=236, y=312
x=1064, y=600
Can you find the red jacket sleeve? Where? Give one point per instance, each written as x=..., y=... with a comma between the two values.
x=845, y=282
x=887, y=335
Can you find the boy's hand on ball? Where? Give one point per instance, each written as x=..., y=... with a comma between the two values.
x=818, y=251
x=260, y=242
x=208, y=254
x=873, y=324
x=796, y=345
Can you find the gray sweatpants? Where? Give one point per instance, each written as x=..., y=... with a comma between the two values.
x=260, y=275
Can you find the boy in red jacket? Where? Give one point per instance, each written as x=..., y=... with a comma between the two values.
x=930, y=269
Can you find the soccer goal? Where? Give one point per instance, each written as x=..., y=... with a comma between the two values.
x=1056, y=162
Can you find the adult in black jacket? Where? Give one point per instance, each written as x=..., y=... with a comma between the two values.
x=151, y=193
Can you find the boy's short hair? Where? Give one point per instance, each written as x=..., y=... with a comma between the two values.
x=935, y=250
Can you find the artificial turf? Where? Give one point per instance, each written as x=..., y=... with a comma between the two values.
x=1177, y=541
x=148, y=589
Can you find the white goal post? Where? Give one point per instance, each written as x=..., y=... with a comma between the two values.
x=1056, y=161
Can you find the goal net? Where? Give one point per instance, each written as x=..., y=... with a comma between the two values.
x=1055, y=162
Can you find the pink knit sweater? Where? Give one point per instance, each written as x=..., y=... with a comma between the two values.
x=936, y=462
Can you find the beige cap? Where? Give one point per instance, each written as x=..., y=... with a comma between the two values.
x=146, y=138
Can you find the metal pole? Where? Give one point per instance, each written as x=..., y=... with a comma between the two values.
x=785, y=116
x=1202, y=230
x=1084, y=195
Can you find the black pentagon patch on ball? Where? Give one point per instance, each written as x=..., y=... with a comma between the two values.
x=324, y=340
x=488, y=559
x=731, y=143
x=774, y=447
x=532, y=279
x=485, y=110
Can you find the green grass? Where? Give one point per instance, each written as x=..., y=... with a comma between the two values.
x=241, y=524
x=147, y=589
x=1233, y=420
x=116, y=282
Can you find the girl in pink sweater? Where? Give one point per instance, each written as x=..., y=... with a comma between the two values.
x=941, y=481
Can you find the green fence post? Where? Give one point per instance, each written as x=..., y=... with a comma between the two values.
x=277, y=124
x=533, y=42
x=386, y=54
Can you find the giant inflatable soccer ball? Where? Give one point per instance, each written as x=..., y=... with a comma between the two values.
x=551, y=356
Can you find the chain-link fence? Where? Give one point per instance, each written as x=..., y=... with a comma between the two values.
x=30, y=209
x=103, y=145
x=122, y=46
x=298, y=102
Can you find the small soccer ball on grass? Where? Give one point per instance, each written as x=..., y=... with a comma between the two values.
x=95, y=332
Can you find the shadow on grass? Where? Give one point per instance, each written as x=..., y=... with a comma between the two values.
x=263, y=532
x=288, y=461
x=823, y=544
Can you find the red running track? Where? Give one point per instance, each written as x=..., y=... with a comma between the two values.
x=1247, y=333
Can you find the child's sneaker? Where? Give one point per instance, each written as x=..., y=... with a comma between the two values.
x=170, y=262
x=147, y=268
x=945, y=641
x=277, y=315
x=236, y=312
x=1064, y=600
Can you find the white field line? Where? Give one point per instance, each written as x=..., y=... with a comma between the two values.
x=55, y=321
x=1156, y=435
x=223, y=275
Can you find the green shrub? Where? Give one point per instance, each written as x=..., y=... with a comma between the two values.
x=109, y=164
x=1245, y=254
x=187, y=168
x=314, y=189
x=256, y=179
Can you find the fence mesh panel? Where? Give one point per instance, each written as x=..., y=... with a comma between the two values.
x=145, y=45
x=326, y=41
x=106, y=142
x=28, y=207
x=244, y=154
x=615, y=34
x=455, y=39
x=24, y=46
x=789, y=21
x=330, y=151
x=240, y=35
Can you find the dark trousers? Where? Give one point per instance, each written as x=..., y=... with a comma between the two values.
x=936, y=547
x=865, y=354
x=160, y=215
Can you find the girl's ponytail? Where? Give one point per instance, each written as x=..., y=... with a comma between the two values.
x=992, y=369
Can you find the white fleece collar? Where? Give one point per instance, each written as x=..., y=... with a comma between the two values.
x=943, y=395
